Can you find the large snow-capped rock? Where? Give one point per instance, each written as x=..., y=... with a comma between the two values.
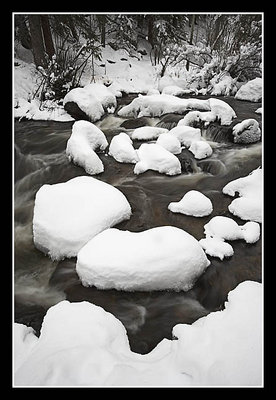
x=157, y=105
x=192, y=118
x=247, y=131
x=200, y=149
x=103, y=95
x=216, y=247
x=67, y=215
x=160, y=258
x=223, y=111
x=192, y=203
x=248, y=205
x=84, y=140
x=186, y=134
x=93, y=100
x=81, y=344
x=221, y=228
x=157, y=158
x=169, y=142
x=147, y=133
x=227, y=229
x=251, y=91
x=122, y=150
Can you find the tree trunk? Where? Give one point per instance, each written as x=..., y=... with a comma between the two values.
x=150, y=19
x=103, y=20
x=191, y=38
x=37, y=40
x=48, y=40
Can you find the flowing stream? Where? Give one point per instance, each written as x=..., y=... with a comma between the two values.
x=148, y=316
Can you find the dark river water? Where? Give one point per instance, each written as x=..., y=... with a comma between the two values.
x=148, y=316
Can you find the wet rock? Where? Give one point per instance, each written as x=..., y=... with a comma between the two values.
x=187, y=161
x=73, y=109
x=169, y=121
x=220, y=133
x=134, y=123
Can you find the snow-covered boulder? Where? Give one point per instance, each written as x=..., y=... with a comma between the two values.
x=160, y=104
x=160, y=258
x=84, y=140
x=186, y=134
x=79, y=344
x=157, y=158
x=152, y=91
x=251, y=91
x=223, y=85
x=247, y=131
x=223, y=111
x=201, y=149
x=227, y=229
x=103, y=94
x=67, y=215
x=259, y=110
x=194, y=117
x=147, y=133
x=221, y=228
x=190, y=119
x=174, y=90
x=192, y=203
x=82, y=345
x=216, y=247
x=122, y=150
x=93, y=100
x=248, y=205
x=85, y=101
x=169, y=142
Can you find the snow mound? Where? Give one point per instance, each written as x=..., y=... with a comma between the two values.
x=157, y=158
x=251, y=91
x=249, y=205
x=84, y=140
x=83, y=345
x=122, y=150
x=36, y=110
x=247, y=131
x=147, y=133
x=193, y=117
x=67, y=215
x=186, y=134
x=174, y=90
x=192, y=203
x=223, y=85
x=225, y=347
x=227, y=229
x=221, y=228
x=160, y=104
x=93, y=99
x=86, y=101
x=216, y=247
x=190, y=118
x=160, y=258
x=222, y=110
x=201, y=149
x=24, y=340
x=103, y=95
x=169, y=142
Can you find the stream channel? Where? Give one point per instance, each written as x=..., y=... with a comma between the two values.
x=147, y=316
